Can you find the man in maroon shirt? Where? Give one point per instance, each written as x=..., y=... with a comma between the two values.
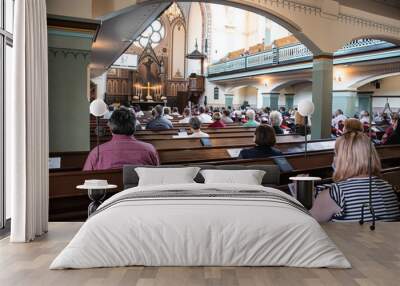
x=123, y=148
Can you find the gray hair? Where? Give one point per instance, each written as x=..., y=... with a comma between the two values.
x=250, y=114
x=275, y=118
x=195, y=123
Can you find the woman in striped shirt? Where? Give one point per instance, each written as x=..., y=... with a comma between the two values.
x=350, y=190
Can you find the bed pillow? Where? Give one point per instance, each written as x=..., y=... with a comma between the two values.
x=166, y=176
x=245, y=177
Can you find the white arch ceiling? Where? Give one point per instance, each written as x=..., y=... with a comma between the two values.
x=322, y=26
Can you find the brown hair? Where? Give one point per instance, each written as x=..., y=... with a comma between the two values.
x=265, y=135
x=353, y=125
x=352, y=157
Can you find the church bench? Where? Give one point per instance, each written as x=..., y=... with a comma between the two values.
x=67, y=203
x=187, y=150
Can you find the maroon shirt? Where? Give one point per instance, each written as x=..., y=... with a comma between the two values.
x=121, y=150
x=217, y=124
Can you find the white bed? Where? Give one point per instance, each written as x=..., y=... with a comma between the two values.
x=246, y=228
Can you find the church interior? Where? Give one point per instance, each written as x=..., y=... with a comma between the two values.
x=199, y=142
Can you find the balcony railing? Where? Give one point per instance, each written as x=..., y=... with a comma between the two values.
x=287, y=54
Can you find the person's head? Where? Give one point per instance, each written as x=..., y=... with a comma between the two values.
x=166, y=110
x=352, y=157
x=207, y=109
x=175, y=110
x=282, y=109
x=216, y=116
x=265, y=135
x=186, y=112
x=157, y=111
x=202, y=109
x=195, y=123
x=122, y=122
x=226, y=113
x=250, y=114
x=338, y=112
x=275, y=118
x=364, y=113
x=353, y=125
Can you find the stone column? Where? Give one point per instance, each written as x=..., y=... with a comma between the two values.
x=270, y=99
x=364, y=100
x=289, y=100
x=346, y=100
x=322, y=96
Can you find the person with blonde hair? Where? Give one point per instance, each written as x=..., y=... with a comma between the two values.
x=218, y=123
x=251, y=122
x=350, y=191
x=353, y=125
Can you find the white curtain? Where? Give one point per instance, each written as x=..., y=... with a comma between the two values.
x=27, y=124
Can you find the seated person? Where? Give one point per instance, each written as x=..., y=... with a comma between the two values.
x=187, y=116
x=394, y=139
x=390, y=129
x=364, y=117
x=123, y=148
x=226, y=117
x=250, y=114
x=218, y=123
x=167, y=112
x=353, y=125
x=195, y=125
x=204, y=116
x=275, y=119
x=337, y=118
x=265, y=140
x=299, y=122
x=159, y=122
x=350, y=190
x=175, y=111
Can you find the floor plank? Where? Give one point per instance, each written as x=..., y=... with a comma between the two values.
x=375, y=257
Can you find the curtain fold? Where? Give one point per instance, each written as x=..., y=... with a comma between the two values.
x=27, y=123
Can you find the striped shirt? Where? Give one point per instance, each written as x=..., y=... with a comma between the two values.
x=351, y=194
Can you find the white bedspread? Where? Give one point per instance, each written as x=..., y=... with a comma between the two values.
x=200, y=231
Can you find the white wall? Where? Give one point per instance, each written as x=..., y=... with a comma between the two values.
x=302, y=91
x=194, y=33
x=234, y=29
x=178, y=50
x=72, y=8
x=389, y=86
x=101, y=82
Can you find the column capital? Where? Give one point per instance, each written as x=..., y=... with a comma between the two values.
x=323, y=56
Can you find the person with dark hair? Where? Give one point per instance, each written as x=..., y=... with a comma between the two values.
x=186, y=116
x=195, y=125
x=159, y=122
x=226, y=117
x=175, y=111
x=204, y=116
x=123, y=148
x=265, y=140
x=394, y=139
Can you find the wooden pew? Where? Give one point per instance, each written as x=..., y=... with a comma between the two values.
x=67, y=203
x=173, y=151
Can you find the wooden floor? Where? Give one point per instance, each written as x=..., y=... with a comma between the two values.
x=375, y=257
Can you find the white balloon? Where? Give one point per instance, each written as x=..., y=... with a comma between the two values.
x=306, y=107
x=98, y=107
